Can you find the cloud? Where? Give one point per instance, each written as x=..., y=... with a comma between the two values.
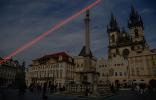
x=147, y=11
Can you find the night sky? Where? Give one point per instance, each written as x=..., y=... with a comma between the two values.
x=23, y=20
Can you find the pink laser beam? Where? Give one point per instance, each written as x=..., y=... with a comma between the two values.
x=57, y=26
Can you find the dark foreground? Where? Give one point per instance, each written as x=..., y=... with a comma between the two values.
x=12, y=94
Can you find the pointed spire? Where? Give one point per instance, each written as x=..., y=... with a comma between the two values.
x=134, y=18
x=112, y=17
x=113, y=26
x=132, y=10
x=113, y=20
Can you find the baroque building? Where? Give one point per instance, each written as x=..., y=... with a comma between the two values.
x=130, y=59
x=54, y=69
x=77, y=74
x=11, y=73
x=102, y=68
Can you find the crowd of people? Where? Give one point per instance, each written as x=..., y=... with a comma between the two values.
x=141, y=88
x=45, y=88
x=37, y=88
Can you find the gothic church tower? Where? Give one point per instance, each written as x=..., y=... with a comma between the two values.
x=136, y=28
x=113, y=35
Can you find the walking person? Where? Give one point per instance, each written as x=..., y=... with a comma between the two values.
x=44, y=97
x=142, y=87
x=137, y=88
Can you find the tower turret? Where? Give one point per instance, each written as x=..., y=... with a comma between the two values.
x=113, y=31
x=135, y=19
x=113, y=26
x=136, y=28
x=113, y=35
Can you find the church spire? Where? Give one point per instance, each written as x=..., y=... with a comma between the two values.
x=134, y=19
x=113, y=26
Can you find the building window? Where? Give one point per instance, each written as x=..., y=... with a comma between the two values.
x=77, y=65
x=81, y=65
x=60, y=58
x=61, y=73
x=116, y=74
x=113, y=38
x=125, y=53
x=114, y=55
x=124, y=80
x=57, y=74
x=120, y=73
x=136, y=33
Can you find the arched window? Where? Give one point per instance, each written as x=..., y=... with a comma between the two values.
x=125, y=53
x=60, y=58
x=113, y=38
x=61, y=73
x=116, y=74
x=136, y=33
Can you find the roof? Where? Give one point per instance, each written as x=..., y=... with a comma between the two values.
x=83, y=52
x=55, y=55
x=65, y=57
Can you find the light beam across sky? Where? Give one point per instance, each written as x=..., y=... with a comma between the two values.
x=57, y=26
x=24, y=20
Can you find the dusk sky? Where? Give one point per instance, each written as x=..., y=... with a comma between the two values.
x=23, y=20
